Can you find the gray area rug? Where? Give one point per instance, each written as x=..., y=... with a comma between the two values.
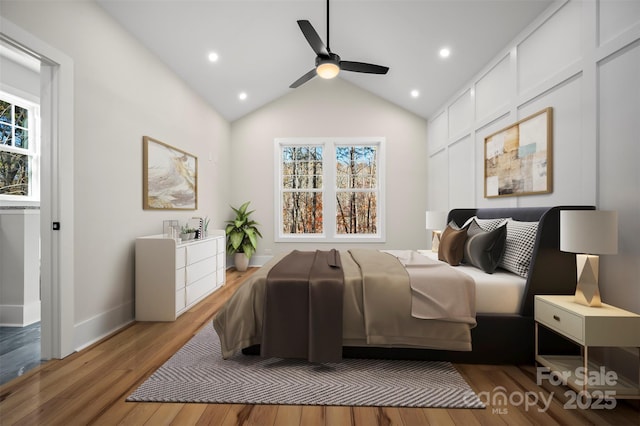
x=197, y=373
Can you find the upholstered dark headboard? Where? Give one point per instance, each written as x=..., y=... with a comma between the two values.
x=551, y=271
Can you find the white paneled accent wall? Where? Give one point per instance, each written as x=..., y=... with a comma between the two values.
x=617, y=18
x=493, y=90
x=460, y=115
x=438, y=200
x=569, y=147
x=581, y=58
x=618, y=155
x=437, y=132
x=461, y=172
x=552, y=48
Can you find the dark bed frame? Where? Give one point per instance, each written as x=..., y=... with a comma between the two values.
x=504, y=338
x=508, y=338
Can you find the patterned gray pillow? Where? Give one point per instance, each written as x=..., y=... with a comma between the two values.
x=486, y=224
x=521, y=237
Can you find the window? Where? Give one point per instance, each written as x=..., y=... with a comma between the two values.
x=330, y=189
x=19, y=149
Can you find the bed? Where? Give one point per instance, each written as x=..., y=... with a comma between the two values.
x=495, y=336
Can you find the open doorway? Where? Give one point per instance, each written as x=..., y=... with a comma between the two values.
x=20, y=304
x=56, y=189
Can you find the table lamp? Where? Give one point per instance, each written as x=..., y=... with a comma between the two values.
x=436, y=221
x=588, y=233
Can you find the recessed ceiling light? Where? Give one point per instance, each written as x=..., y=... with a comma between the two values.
x=415, y=93
x=445, y=52
x=213, y=57
x=242, y=96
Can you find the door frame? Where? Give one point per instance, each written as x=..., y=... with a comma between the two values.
x=56, y=190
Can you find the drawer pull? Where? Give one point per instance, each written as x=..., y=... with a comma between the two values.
x=557, y=318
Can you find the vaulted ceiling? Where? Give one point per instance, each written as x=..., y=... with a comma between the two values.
x=261, y=49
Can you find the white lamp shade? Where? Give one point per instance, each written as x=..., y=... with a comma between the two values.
x=436, y=220
x=589, y=231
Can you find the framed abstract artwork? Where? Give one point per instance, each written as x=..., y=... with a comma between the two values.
x=518, y=158
x=170, y=177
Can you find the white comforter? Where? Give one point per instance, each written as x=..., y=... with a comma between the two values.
x=438, y=291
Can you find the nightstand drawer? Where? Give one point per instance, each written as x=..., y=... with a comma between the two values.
x=567, y=323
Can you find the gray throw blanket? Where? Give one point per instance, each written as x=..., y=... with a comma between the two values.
x=303, y=307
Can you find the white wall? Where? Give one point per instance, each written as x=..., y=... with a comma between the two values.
x=19, y=267
x=18, y=79
x=332, y=108
x=122, y=92
x=583, y=59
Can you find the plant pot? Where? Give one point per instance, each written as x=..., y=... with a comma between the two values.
x=241, y=261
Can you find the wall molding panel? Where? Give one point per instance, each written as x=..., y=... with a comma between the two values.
x=461, y=115
x=551, y=48
x=581, y=59
x=491, y=92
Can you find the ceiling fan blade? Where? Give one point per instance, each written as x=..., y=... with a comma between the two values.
x=299, y=82
x=313, y=38
x=363, y=67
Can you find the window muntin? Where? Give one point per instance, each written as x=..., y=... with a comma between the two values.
x=329, y=189
x=356, y=189
x=19, y=156
x=301, y=189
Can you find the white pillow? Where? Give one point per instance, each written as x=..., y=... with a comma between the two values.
x=521, y=238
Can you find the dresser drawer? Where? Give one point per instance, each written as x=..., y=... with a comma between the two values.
x=200, y=288
x=181, y=299
x=560, y=320
x=181, y=257
x=199, y=251
x=181, y=278
x=200, y=269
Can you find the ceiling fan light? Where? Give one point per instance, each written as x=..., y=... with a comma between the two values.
x=327, y=69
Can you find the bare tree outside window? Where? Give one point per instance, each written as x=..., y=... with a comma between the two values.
x=15, y=158
x=329, y=189
x=302, y=190
x=356, y=184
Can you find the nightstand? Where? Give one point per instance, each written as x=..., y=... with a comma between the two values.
x=605, y=326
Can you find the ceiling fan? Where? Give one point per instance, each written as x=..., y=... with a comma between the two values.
x=328, y=64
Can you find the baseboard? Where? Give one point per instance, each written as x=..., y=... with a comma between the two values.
x=19, y=315
x=259, y=260
x=94, y=329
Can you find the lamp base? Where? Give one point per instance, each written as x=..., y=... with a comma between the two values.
x=587, y=291
x=435, y=241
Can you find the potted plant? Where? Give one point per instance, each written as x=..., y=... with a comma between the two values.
x=187, y=233
x=242, y=236
x=205, y=227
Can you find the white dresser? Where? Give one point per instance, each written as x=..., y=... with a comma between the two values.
x=171, y=277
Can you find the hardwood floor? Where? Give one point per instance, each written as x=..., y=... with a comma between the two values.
x=90, y=387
